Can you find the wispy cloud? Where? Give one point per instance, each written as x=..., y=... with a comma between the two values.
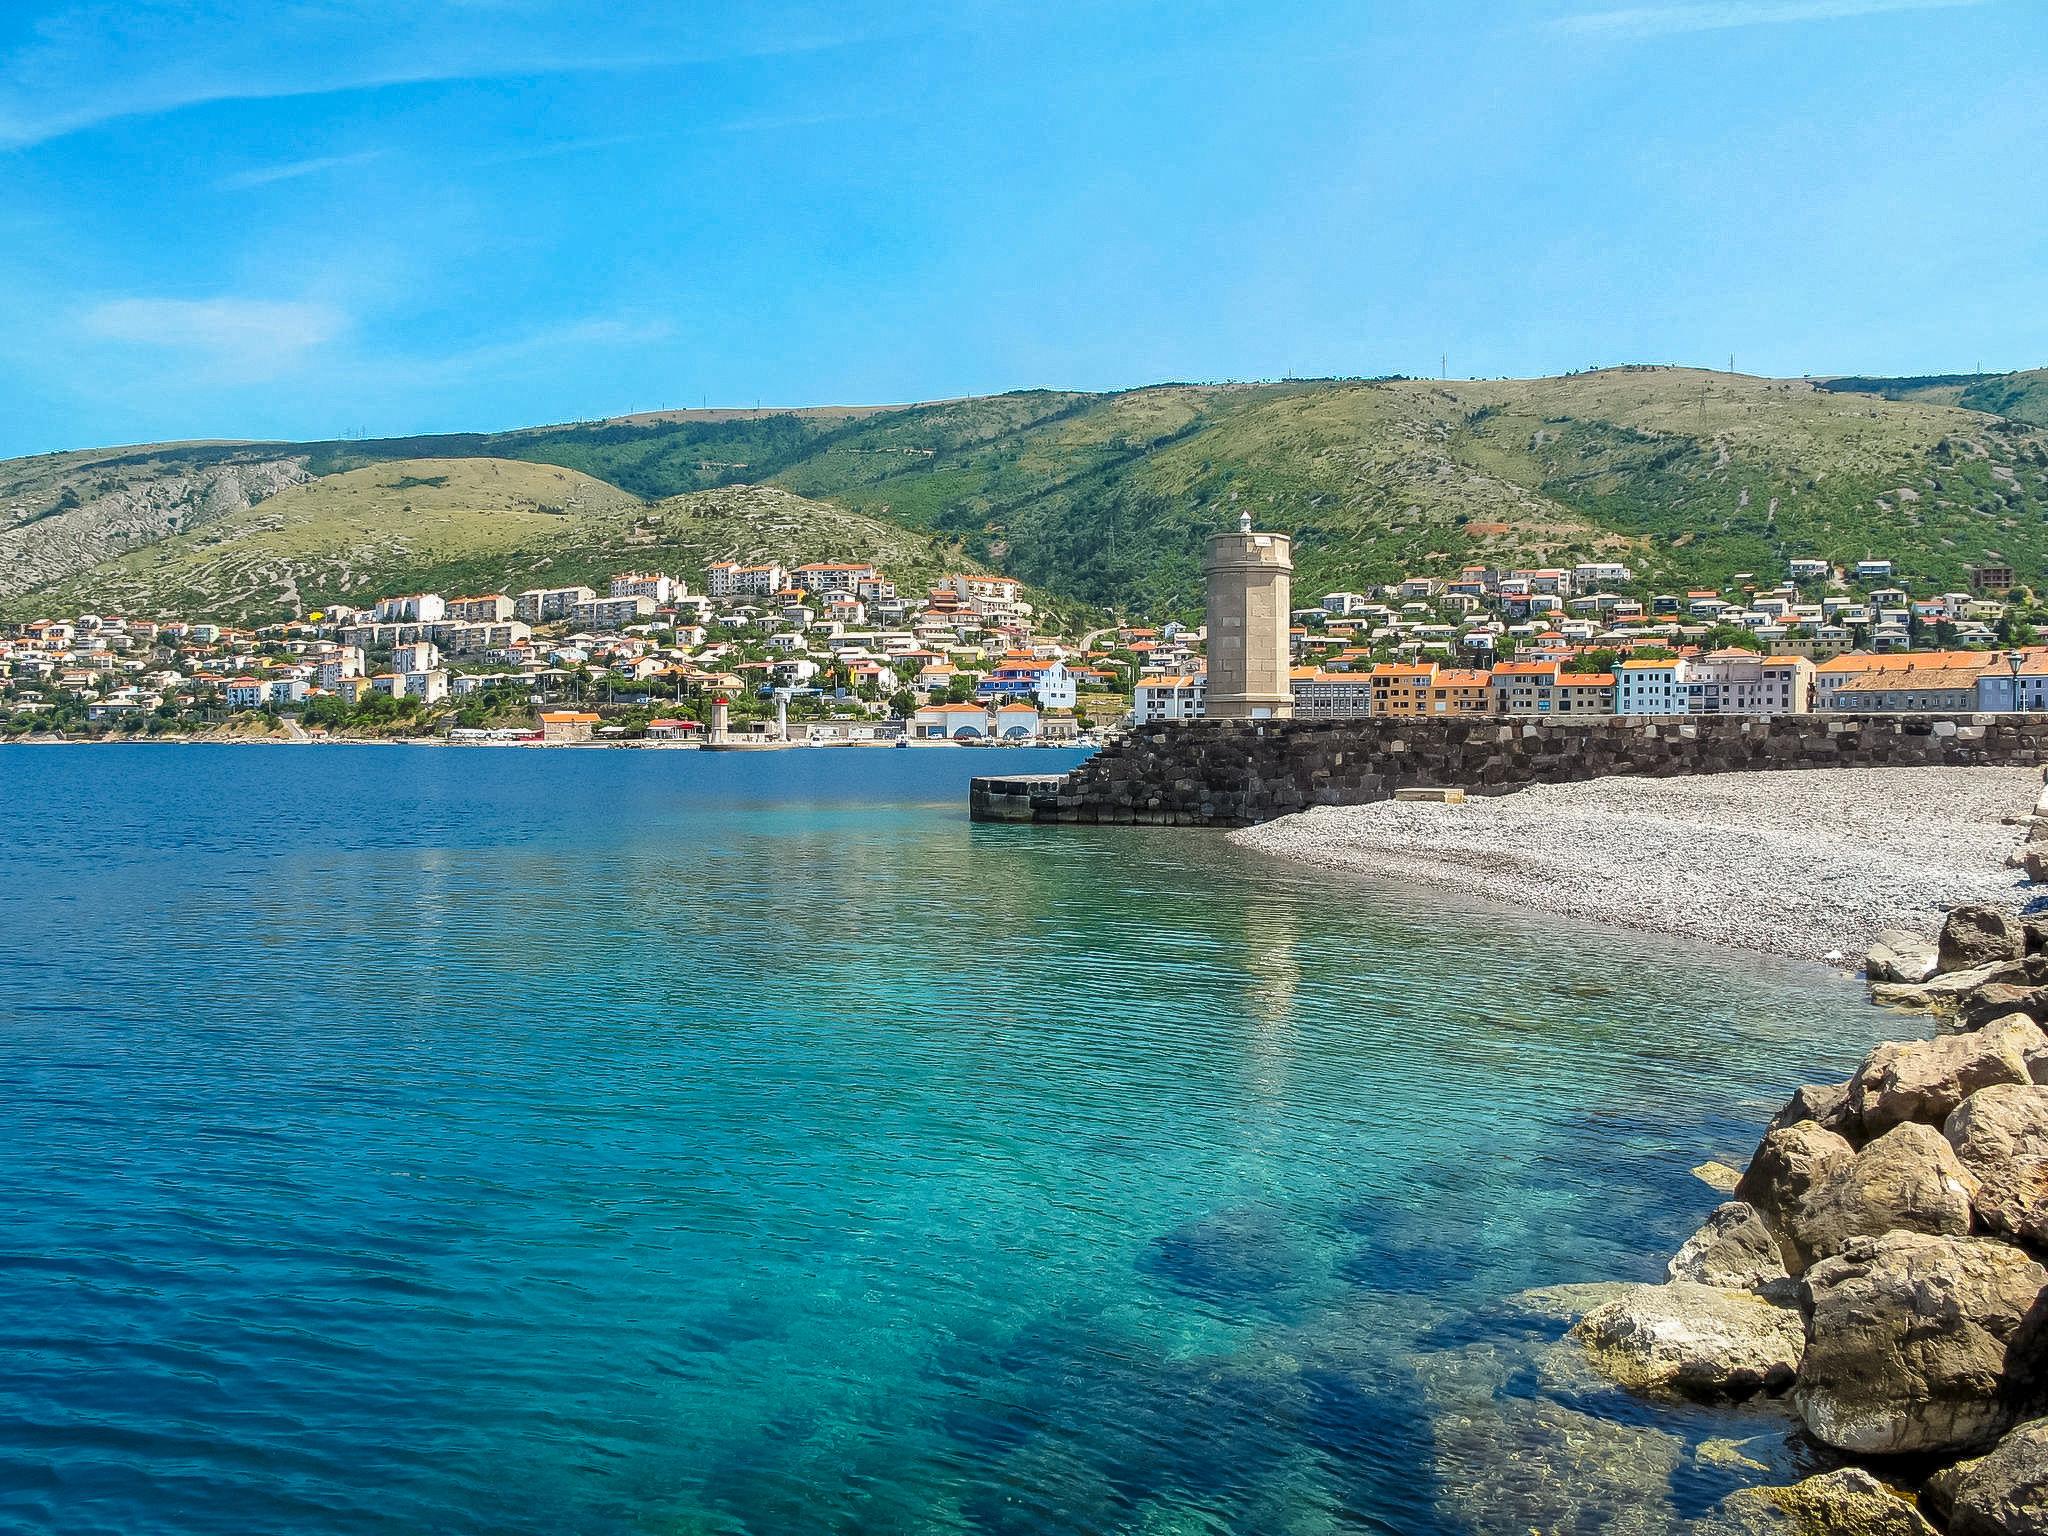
x=265, y=175
x=1722, y=15
x=89, y=63
x=233, y=337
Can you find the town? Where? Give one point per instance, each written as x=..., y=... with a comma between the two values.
x=830, y=652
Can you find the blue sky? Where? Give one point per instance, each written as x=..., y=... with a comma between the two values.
x=311, y=217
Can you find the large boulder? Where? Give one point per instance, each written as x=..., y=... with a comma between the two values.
x=1896, y=955
x=1980, y=934
x=1698, y=1340
x=2001, y=1136
x=1997, y=999
x=1825, y=1104
x=1733, y=1249
x=1942, y=992
x=1845, y=1502
x=1925, y=1080
x=1917, y=1343
x=2004, y=1493
x=1909, y=1179
x=1790, y=1181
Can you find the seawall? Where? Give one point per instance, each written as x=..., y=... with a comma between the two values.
x=1215, y=773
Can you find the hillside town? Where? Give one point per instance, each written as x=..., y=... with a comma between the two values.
x=832, y=652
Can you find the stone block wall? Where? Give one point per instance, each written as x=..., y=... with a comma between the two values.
x=1215, y=773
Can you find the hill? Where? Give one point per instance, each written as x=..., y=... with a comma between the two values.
x=464, y=525
x=1689, y=476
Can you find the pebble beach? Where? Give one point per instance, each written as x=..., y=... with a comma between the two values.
x=1809, y=863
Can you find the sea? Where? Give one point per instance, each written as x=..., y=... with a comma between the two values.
x=407, y=1139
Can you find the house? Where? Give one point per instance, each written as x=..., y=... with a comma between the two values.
x=1991, y=578
x=1808, y=570
x=561, y=727
x=1402, y=689
x=1162, y=698
x=673, y=730
x=1017, y=721
x=1525, y=687
x=1461, y=691
x=949, y=722
x=1873, y=570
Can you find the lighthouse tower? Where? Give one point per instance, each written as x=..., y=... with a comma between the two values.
x=1251, y=591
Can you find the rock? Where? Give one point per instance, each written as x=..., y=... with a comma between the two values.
x=1789, y=1183
x=1718, y=1176
x=1995, y=999
x=1569, y=1302
x=1943, y=990
x=2036, y=928
x=1917, y=1343
x=1732, y=1249
x=2000, y=1134
x=1925, y=1080
x=1825, y=1104
x=1897, y=955
x=1980, y=934
x=2004, y=1493
x=1848, y=1502
x=1694, y=1339
x=2034, y=860
x=1908, y=1180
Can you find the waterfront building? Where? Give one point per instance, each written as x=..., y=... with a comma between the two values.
x=1650, y=687
x=560, y=727
x=1461, y=691
x=1250, y=578
x=1160, y=699
x=1910, y=690
x=1739, y=682
x=1525, y=687
x=949, y=722
x=1998, y=689
x=1320, y=695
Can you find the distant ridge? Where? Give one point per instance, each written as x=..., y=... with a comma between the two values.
x=1691, y=476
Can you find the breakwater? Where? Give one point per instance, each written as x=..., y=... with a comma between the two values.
x=1216, y=773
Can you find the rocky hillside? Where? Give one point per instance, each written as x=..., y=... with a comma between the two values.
x=461, y=525
x=1690, y=476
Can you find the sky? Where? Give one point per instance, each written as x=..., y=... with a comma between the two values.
x=314, y=218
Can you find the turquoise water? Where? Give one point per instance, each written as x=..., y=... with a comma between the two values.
x=497, y=1141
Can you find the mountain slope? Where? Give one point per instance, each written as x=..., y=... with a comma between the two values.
x=1689, y=476
x=464, y=525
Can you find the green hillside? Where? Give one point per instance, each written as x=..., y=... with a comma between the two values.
x=465, y=525
x=1689, y=476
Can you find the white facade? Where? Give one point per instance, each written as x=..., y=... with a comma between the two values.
x=1650, y=688
x=420, y=656
x=1157, y=699
x=662, y=589
x=541, y=605
x=611, y=612
x=729, y=579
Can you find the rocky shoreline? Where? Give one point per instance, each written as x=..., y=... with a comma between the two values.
x=1879, y=1266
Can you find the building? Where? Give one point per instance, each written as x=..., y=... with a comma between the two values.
x=1320, y=695
x=243, y=693
x=1739, y=682
x=660, y=589
x=1401, y=689
x=281, y=691
x=545, y=605
x=491, y=608
x=949, y=722
x=561, y=727
x=727, y=578
x=1809, y=570
x=1017, y=721
x=611, y=612
x=828, y=576
x=420, y=656
x=1910, y=690
x=414, y=608
x=1461, y=691
x=1991, y=578
x=1873, y=570
x=1650, y=687
x=1250, y=580
x=1160, y=699
x=1835, y=674
x=1525, y=687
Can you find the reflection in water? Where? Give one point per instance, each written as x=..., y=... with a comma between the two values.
x=606, y=1142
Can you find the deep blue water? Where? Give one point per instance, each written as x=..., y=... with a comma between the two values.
x=504, y=1141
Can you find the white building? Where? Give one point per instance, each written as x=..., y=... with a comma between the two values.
x=280, y=691
x=243, y=693
x=1650, y=688
x=1157, y=699
x=1809, y=570
x=414, y=608
x=662, y=589
x=420, y=656
x=727, y=578
x=1739, y=682
x=491, y=608
x=1873, y=570
x=1589, y=575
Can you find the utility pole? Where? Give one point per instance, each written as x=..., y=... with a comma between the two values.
x=1443, y=367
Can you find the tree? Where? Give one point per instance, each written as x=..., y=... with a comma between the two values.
x=903, y=703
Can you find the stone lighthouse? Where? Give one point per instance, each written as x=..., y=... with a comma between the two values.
x=1251, y=593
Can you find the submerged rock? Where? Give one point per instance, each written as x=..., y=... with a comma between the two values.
x=1897, y=955
x=2002, y=1493
x=1718, y=1176
x=1848, y=1502
x=1699, y=1340
x=1733, y=1249
x=2001, y=1136
x=1925, y=1080
x=1916, y=1343
x=1980, y=934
